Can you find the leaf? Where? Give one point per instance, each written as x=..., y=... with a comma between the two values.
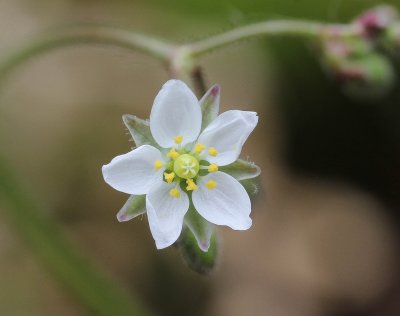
x=201, y=228
x=135, y=206
x=209, y=104
x=241, y=170
x=140, y=130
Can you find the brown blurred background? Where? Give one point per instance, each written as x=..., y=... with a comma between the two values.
x=325, y=233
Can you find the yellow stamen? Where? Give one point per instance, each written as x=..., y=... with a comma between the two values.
x=191, y=186
x=173, y=154
x=211, y=184
x=212, y=151
x=212, y=168
x=198, y=148
x=158, y=165
x=175, y=193
x=169, y=177
x=178, y=139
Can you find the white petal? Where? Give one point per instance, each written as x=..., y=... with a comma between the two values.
x=134, y=172
x=166, y=213
x=227, y=204
x=176, y=112
x=227, y=134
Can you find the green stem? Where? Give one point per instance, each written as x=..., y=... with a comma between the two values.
x=270, y=28
x=100, y=295
x=88, y=34
x=176, y=57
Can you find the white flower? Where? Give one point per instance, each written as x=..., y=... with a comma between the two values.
x=182, y=166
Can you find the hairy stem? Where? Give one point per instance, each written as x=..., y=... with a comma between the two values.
x=270, y=28
x=174, y=56
x=88, y=34
x=98, y=294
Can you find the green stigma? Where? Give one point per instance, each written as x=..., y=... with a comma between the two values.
x=186, y=166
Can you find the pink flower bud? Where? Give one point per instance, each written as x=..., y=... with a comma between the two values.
x=375, y=21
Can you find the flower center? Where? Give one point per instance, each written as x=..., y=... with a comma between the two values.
x=186, y=166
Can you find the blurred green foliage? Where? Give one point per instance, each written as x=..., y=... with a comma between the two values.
x=249, y=11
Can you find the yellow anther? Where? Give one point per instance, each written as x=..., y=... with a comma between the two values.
x=169, y=177
x=191, y=186
x=212, y=168
x=158, y=165
x=211, y=184
x=198, y=148
x=212, y=151
x=178, y=139
x=173, y=154
x=175, y=193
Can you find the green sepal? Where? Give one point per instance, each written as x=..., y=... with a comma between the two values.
x=209, y=104
x=135, y=206
x=251, y=186
x=196, y=259
x=139, y=130
x=241, y=170
x=200, y=228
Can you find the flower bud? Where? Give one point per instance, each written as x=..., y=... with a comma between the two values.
x=355, y=65
x=375, y=21
x=369, y=77
x=336, y=49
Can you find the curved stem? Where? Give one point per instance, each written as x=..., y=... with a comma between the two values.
x=89, y=34
x=184, y=55
x=270, y=28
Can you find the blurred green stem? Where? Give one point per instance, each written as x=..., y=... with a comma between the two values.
x=180, y=58
x=88, y=34
x=100, y=295
x=293, y=28
x=184, y=61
